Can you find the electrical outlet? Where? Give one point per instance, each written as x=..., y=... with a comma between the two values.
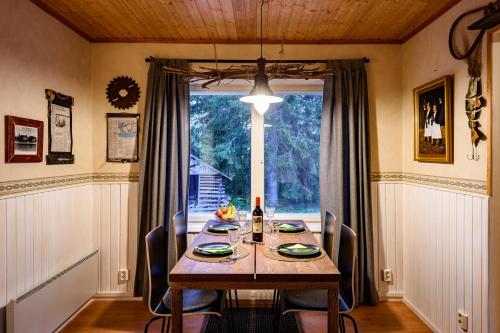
x=123, y=275
x=463, y=321
x=387, y=275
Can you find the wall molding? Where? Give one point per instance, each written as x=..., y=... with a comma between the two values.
x=35, y=184
x=28, y=185
x=458, y=184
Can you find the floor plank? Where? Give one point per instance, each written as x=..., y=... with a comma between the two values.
x=115, y=316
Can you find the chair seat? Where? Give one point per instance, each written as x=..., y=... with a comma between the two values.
x=312, y=299
x=192, y=299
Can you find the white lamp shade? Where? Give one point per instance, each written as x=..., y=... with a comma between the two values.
x=261, y=102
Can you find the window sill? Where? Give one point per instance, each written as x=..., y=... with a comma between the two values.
x=312, y=220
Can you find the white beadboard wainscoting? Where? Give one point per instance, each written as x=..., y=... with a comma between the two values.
x=387, y=216
x=436, y=243
x=41, y=234
x=115, y=216
x=446, y=256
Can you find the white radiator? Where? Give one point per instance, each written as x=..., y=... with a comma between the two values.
x=48, y=306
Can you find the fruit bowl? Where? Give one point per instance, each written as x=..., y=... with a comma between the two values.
x=228, y=213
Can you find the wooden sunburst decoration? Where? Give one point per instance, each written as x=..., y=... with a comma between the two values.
x=279, y=70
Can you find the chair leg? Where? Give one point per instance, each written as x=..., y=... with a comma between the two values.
x=353, y=321
x=230, y=298
x=231, y=312
x=236, y=299
x=146, y=327
x=168, y=325
x=341, y=324
x=163, y=325
x=278, y=300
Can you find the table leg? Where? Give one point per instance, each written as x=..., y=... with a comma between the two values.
x=333, y=309
x=177, y=310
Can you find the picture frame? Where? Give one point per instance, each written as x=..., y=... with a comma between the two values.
x=433, y=121
x=23, y=140
x=60, y=114
x=122, y=137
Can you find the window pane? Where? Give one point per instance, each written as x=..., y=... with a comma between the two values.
x=220, y=152
x=291, y=146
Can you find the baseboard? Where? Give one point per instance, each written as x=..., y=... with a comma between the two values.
x=113, y=295
x=255, y=303
x=415, y=310
x=257, y=294
x=74, y=315
x=391, y=297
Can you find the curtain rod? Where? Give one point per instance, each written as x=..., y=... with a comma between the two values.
x=239, y=61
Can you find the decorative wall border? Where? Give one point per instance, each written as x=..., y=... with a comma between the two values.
x=26, y=185
x=466, y=185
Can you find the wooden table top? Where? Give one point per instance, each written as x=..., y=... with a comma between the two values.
x=256, y=266
x=268, y=269
x=191, y=270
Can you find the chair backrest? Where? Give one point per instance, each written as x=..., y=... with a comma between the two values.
x=157, y=257
x=347, y=264
x=331, y=236
x=180, y=227
x=329, y=233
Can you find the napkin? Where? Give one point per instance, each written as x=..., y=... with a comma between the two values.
x=287, y=226
x=217, y=249
x=297, y=247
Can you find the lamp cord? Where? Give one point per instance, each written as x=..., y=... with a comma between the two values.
x=261, y=6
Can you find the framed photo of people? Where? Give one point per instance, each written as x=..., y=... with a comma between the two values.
x=60, y=128
x=433, y=121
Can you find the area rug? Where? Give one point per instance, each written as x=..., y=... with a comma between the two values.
x=248, y=320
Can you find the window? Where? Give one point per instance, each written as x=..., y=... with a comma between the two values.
x=220, y=152
x=291, y=154
x=284, y=145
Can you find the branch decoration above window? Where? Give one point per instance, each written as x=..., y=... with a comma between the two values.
x=209, y=75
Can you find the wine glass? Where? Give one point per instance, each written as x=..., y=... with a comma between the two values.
x=233, y=238
x=270, y=214
x=242, y=219
x=273, y=233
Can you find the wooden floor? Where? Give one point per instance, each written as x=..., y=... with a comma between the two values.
x=104, y=316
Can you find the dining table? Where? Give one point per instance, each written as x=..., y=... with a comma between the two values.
x=256, y=271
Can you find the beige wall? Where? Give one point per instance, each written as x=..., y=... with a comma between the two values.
x=38, y=52
x=384, y=79
x=494, y=253
x=426, y=57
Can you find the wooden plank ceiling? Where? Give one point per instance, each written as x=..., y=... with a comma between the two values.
x=237, y=21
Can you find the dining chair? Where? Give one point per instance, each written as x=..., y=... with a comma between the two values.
x=317, y=300
x=331, y=230
x=195, y=302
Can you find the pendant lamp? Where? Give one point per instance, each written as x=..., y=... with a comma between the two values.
x=261, y=94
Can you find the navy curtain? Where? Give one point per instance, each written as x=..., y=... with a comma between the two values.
x=345, y=165
x=164, y=163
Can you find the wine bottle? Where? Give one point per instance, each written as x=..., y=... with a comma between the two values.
x=257, y=222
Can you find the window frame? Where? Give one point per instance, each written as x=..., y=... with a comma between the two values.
x=197, y=220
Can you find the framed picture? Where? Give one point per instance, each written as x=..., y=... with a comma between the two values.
x=123, y=143
x=60, y=128
x=433, y=119
x=23, y=140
